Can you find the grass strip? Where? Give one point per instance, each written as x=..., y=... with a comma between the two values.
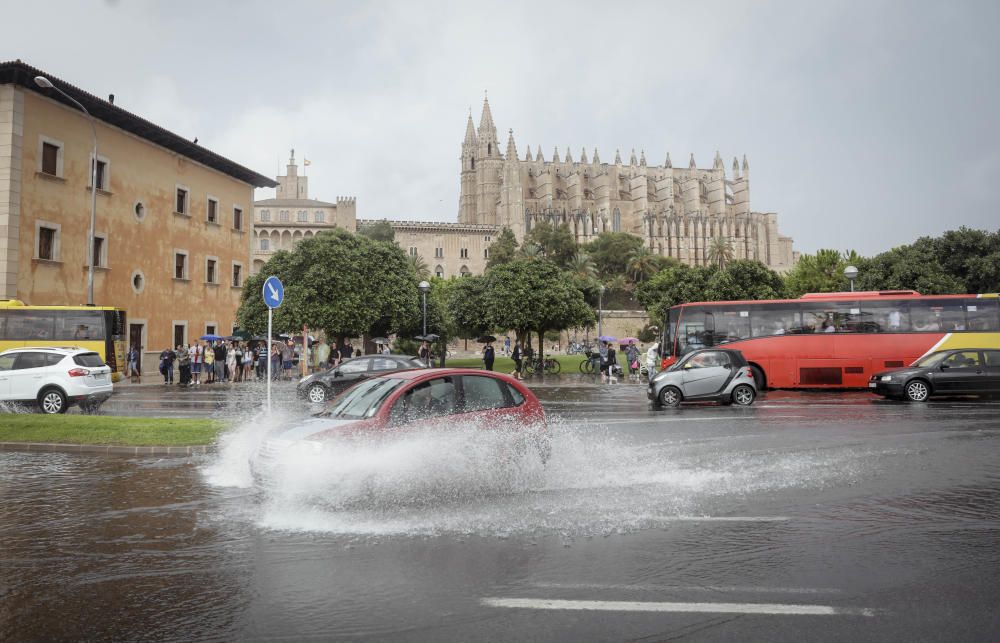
x=568, y=363
x=107, y=430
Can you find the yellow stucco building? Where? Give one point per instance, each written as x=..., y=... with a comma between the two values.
x=174, y=220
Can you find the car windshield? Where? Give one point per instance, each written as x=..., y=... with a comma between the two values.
x=928, y=361
x=364, y=400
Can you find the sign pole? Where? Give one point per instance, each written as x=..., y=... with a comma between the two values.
x=270, y=313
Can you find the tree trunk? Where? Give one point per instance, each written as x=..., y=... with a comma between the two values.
x=541, y=349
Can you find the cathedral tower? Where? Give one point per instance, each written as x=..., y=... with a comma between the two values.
x=489, y=165
x=467, y=197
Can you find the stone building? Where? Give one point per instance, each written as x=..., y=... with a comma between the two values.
x=677, y=211
x=172, y=238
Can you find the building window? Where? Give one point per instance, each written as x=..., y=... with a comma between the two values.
x=139, y=210
x=50, y=156
x=302, y=216
x=213, y=210
x=283, y=216
x=211, y=276
x=486, y=253
x=237, y=275
x=439, y=272
x=319, y=216
x=181, y=206
x=616, y=221
x=464, y=271
x=464, y=253
x=209, y=329
x=265, y=215
x=237, y=219
x=180, y=333
x=180, y=264
x=486, y=238
x=438, y=253
x=103, y=169
x=100, y=253
x=47, y=239
x=265, y=244
x=138, y=281
x=413, y=251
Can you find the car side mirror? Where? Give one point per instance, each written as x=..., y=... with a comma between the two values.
x=945, y=367
x=337, y=373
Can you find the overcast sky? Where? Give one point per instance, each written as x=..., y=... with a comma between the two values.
x=866, y=124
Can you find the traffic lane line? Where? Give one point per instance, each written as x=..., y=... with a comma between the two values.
x=730, y=589
x=776, y=609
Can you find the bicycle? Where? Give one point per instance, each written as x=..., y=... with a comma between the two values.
x=551, y=366
x=590, y=365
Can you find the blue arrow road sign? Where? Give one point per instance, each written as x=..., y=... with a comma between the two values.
x=274, y=292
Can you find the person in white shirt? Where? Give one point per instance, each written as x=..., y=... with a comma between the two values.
x=197, y=354
x=652, y=355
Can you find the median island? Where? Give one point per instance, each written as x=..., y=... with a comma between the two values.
x=101, y=430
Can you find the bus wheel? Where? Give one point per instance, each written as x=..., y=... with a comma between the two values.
x=670, y=396
x=758, y=377
x=52, y=401
x=917, y=391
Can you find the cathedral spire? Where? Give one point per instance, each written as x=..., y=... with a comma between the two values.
x=583, y=155
x=597, y=157
x=736, y=168
x=746, y=166
x=569, y=156
x=527, y=154
x=717, y=163
x=511, y=148
x=539, y=157
x=642, y=158
x=488, y=142
x=631, y=160
x=691, y=164
x=555, y=154
x=618, y=157
x=668, y=163
x=470, y=130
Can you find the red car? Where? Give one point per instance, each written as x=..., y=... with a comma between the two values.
x=411, y=399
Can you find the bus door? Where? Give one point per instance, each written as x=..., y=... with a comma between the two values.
x=692, y=332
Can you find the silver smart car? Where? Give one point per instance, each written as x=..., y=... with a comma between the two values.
x=709, y=374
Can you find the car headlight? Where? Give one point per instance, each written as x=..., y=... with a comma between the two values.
x=886, y=378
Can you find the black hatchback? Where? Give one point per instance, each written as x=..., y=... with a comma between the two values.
x=963, y=371
x=327, y=385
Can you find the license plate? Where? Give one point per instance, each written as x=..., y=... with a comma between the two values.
x=871, y=385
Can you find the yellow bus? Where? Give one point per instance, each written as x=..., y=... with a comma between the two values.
x=97, y=328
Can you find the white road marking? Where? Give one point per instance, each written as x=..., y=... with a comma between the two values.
x=692, y=588
x=780, y=609
x=725, y=518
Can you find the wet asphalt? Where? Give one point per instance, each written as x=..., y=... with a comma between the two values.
x=829, y=516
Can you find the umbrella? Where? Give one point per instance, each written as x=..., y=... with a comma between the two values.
x=487, y=339
x=239, y=333
x=232, y=338
x=211, y=338
x=629, y=340
x=606, y=338
x=380, y=340
x=429, y=337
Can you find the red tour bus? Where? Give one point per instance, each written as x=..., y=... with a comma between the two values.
x=833, y=340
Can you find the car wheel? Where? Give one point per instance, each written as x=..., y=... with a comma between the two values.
x=317, y=393
x=670, y=396
x=758, y=378
x=743, y=395
x=52, y=401
x=917, y=391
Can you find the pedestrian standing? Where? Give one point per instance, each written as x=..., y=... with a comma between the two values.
x=133, y=365
x=516, y=356
x=167, y=365
x=220, y=361
x=287, y=357
x=247, y=362
x=275, y=362
x=602, y=352
x=261, y=361
x=506, y=345
x=488, y=356
x=197, y=359
x=632, y=357
x=651, y=359
x=233, y=359
x=184, y=365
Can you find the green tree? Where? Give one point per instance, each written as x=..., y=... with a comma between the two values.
x=342, y=283
x=610, y=252
x=419, y=266
x=467, y=304
x=676, y=284
x=972, y=256
x=821, y=272
x=555, y=242
x=532, y=296
x=913, y=267
x=378, y=230
x=503, y=250
x=720, y=251
x=744, y=279
x=582, y=266
x=642, y=264
x=440, y=320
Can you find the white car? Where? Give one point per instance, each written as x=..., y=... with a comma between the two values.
x=54, y=378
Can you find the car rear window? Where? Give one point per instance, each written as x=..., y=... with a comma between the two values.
x=482, y=392
x=91, y=360
x=516, y=395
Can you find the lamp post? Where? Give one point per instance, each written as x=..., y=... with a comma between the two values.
x=44, y=83
x=600, y=312
x=424, y=287
x=851, y=273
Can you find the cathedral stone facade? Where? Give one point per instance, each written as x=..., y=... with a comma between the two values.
x=678, y=212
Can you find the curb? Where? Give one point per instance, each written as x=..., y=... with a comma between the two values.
x=106, y=449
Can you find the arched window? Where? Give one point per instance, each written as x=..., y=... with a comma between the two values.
x=265, y=215
x=439, y=272
x=464, y=271
x=283, y=216
x=489, y=149
x=472, y=163
x=302, y=216
x=616, y=221
x=319, y=216
x=265, y=244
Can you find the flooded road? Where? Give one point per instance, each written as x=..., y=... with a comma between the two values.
x=826, y=516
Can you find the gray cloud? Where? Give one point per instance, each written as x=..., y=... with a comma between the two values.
x=866, y=123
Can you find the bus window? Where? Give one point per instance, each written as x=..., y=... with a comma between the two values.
x=937, y=315
x=729, y=326
x=79, y=325
x=774, y=320
x=830, y=317
x=885, y=316
x=982, y=314
x=691, y=331
x=30, y=325
x=3, y=325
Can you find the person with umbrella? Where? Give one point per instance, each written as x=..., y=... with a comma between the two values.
x=632, y=357
x=489, y=355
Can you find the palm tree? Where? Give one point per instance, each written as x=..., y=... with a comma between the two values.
x=720, y=252
x=419, y=266
x=642, y=264
x=582, y=266
x=530, y=251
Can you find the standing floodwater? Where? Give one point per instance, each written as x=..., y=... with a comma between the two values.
x=881, y=520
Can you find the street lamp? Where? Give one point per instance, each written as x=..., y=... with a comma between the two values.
x=424, y=287
x=851, y=273
x=45, y=83
x=600, y=311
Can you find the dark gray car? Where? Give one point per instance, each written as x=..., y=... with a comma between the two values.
x=964, y=371
x=327, y=385
x=710, y=374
